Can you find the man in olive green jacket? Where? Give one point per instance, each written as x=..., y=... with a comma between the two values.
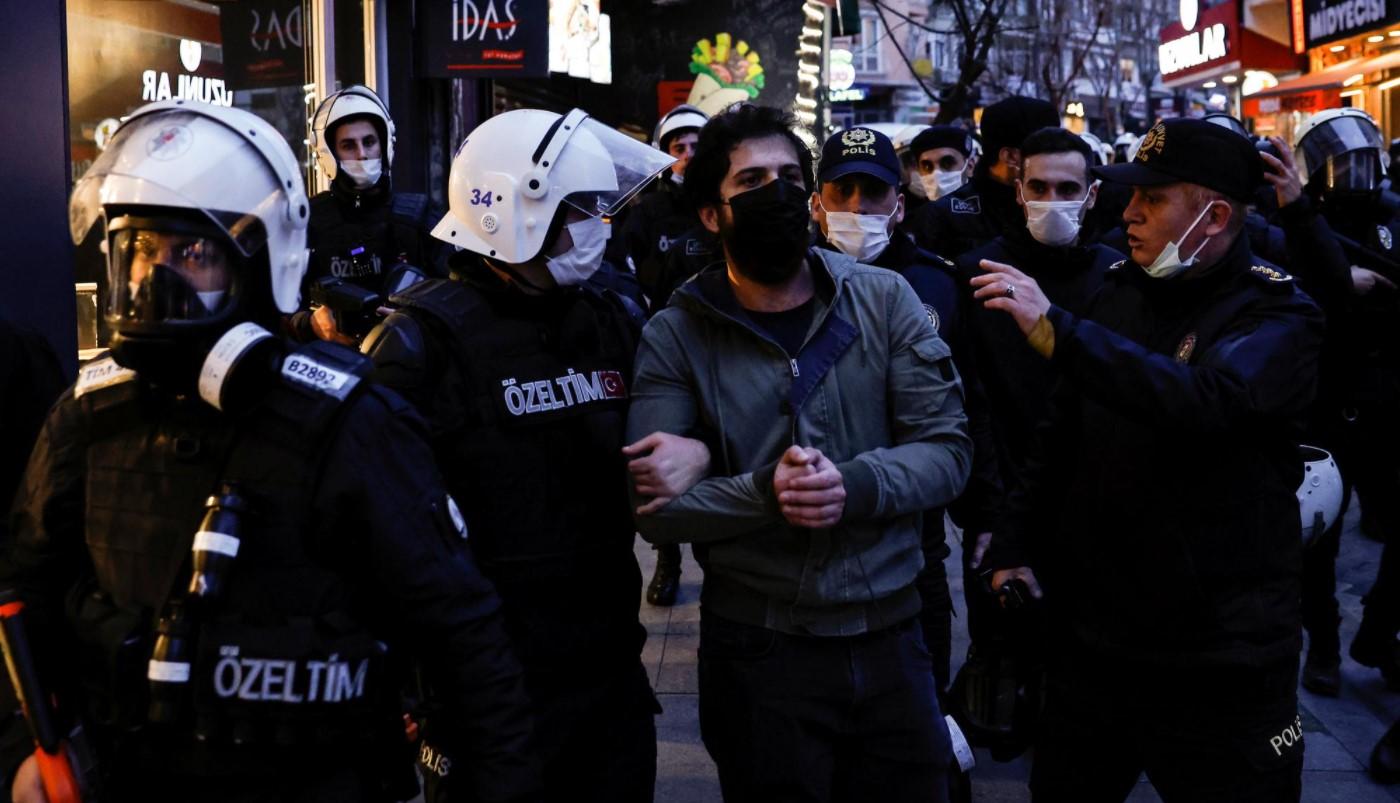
x=834, y=417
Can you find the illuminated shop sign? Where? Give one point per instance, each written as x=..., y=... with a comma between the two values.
x=157, y=84
x=1329, y=20
x=1199, y=38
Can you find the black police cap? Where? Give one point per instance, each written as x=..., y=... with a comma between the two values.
x=1194, y=152
x=942, y=136
x=859, y=150
x=1007, y=123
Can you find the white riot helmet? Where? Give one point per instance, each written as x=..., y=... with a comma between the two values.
x=512, y=174
x=905, y=137
x=226, y=165
x=352, y=101
x=193, y=198
x=1340, y=150
x=1125, y=146
x=1320, y=496
x=1096, y=145
x=680, y=118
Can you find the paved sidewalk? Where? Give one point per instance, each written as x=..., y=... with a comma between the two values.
x=1339, y=732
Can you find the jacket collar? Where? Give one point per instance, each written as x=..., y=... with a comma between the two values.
x=710, y=292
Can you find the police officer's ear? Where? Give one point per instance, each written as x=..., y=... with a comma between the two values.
x=818, y=209
x=898, y=216
x=1011, y=157
x=709, y=217
x=1219, y=217
x=1092, y=197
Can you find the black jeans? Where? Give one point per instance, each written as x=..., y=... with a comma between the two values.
x=796, y=718
x=1226, y=735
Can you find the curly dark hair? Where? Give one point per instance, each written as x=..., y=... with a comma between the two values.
x=723, y=133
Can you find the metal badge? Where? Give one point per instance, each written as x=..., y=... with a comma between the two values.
x=1386, y=240
x=1184, y=349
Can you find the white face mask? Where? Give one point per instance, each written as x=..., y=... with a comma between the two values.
x=364, y=172
x=1169, y=263
x=1054, y=222
x=941, y=182
x=864, y=237
x=212, y=299
x=575, y=265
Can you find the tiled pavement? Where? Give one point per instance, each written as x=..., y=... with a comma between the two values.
x=1339, y=732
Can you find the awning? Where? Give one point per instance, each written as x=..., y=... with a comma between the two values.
x=1333, y=77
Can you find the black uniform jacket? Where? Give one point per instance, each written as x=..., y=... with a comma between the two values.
x=1015, y=379
x=978, y=211
x=1161, y=510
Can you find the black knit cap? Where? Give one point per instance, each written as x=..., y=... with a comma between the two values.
x=1007, y=123
x=1192, y=151
x=942, y=136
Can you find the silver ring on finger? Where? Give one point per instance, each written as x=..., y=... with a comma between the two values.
x=1010, y=291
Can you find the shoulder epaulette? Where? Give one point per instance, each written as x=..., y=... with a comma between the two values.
x=103, y=372
x=1270, y=275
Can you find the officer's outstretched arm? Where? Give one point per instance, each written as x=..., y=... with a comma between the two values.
x=1263, y=366
x=389, y=510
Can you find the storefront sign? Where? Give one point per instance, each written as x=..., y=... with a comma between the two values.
x=1329, y=20
x=483, y=38
x=851, y=94
x=1312, y=101
x=159, y=85
x=263, y=43
x=1201, y=38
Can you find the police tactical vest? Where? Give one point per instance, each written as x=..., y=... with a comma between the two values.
x=387, y=232
x=282, y=659
x=531, y=407
x=527, y=420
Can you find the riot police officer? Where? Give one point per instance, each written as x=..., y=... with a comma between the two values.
x=523, y=368
x=244, y=647
x=1339, y=155
x=361, y=230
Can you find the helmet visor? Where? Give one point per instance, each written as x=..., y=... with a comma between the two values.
x=634, y=164
x=172, y=273
x=1357, y=171
x=1337, y=136
x=155, y=161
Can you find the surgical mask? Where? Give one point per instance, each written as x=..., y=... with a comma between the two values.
x=577, y=264
x=1054, y=222
x=1169, y=263
x=864, y=237
x=211, y=299
x=364, y=173
x=941, y=182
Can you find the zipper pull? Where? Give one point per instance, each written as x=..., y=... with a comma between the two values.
x=795, y=372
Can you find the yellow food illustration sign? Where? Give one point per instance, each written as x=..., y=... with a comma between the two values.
x=725, y=73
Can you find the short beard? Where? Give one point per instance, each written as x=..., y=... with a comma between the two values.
x=766, y=272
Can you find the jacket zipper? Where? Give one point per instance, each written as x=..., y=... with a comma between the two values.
x=795, y=371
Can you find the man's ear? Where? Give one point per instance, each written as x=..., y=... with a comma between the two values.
x=898, y=208
x=1020, y=194
x=709, y=218
x=1218, y=218
x=1011, y=157
x=1093, y=196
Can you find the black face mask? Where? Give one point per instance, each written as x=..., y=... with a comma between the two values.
x=770, y=231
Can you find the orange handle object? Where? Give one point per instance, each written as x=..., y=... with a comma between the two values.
x=60, y=784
